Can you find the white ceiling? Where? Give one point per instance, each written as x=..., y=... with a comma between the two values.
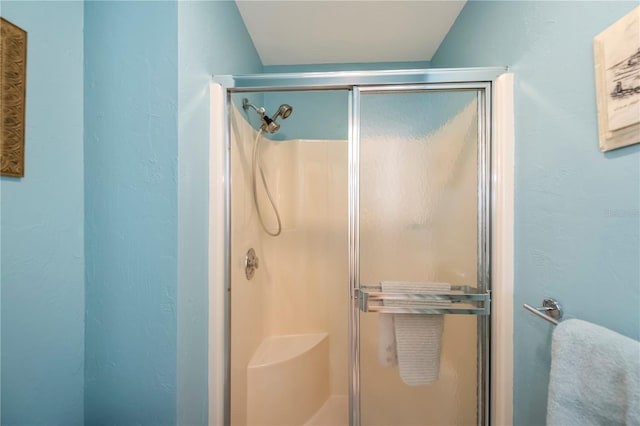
x=320, y=32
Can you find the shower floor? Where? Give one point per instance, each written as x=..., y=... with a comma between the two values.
x=334, y=412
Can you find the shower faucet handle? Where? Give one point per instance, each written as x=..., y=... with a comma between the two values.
x=251, y=263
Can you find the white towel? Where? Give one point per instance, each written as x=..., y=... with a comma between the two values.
x=387, y=352
x=418, y=338
x=595, y=377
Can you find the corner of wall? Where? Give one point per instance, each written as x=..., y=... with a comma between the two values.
x=213, y=40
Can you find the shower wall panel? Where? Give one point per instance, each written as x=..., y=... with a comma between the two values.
x=301, y=286
x=306, y=266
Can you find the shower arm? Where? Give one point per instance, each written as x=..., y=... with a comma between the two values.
x=246, y=105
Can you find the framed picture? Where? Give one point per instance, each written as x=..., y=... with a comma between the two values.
x=13, y=85
x=617, y=66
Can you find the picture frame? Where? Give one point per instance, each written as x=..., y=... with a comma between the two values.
x=617, y=72
x=13, y=87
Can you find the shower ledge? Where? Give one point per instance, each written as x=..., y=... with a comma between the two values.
x=288, y=379
x=278, y=349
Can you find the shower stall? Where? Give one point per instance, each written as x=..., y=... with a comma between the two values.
x=357, y=248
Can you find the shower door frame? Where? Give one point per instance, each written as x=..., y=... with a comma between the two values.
x=495, y=208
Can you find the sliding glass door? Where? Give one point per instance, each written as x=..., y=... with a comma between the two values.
x=421, y=255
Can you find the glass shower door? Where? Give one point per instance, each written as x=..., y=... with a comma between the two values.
x=422, y=279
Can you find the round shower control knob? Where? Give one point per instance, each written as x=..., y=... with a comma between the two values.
x=251, y=263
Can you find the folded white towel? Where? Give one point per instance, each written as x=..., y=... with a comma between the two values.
x=418, y=338
x=595, y=377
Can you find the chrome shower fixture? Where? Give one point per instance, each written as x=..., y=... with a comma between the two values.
x=269, y=124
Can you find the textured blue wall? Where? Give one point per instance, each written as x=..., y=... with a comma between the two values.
x=42, y=263
x=213, y=40
x=577, y=224
x=131, y=149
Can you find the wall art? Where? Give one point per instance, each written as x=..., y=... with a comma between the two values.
x=13, y=86
x=617, y=66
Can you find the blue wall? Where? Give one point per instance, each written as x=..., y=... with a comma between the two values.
x=577, y=224
x=213, y=40
x=131, y=149
x=42, y=275
x=146, y=190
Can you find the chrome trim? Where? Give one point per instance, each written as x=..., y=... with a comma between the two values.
x=354, y=255
x=484, y=250
x=466, y=292
x=431, y=87
x=227, y=262
x=372, y=299
x=480, y=411
x=486, y=321
x=348, y=79
x=480, y=312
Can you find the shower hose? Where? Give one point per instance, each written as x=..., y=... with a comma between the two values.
x=255, y=167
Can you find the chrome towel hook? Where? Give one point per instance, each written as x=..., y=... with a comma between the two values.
x=551, y=311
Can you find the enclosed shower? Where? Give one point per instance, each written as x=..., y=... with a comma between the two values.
x=355, y=262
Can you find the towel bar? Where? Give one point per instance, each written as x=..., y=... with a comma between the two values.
x=371, y=298
x=551, y=311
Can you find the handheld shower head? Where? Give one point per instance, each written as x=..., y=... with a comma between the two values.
x=269, y=125
x=284, y=111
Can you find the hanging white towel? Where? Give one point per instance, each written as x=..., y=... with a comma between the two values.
x=418, y=338
x=595, y=377
x=387, y=352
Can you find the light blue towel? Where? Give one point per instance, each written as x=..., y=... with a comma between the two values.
x=595, y=377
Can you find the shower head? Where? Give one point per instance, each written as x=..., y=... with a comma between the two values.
x=269, y=125
x=284, y=111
